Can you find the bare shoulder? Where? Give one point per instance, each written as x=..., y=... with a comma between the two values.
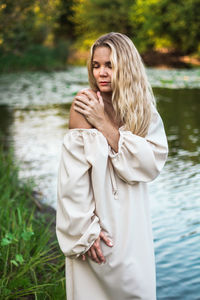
x=77, y=120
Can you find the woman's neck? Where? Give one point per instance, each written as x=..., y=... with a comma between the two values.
x=107, y=98
x=108, y=106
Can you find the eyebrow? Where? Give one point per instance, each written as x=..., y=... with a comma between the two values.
x=96, y=62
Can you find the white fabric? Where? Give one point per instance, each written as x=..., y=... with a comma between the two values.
x=99, y=189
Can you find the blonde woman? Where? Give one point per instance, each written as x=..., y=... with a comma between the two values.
x=116, y=145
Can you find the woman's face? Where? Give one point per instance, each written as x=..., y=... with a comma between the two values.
x=102, y=69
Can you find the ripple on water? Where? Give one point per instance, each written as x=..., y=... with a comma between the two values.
x=176, y=227
x=40, y=88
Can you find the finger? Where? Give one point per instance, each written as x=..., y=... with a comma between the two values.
x=81, y=111
x=107, y=241
x=83, y=257
x=99, y=252
x=80, y=104
x=82, y=99
x=100, y=98
x=90, y=95
x=89, y=253
x=94, y=255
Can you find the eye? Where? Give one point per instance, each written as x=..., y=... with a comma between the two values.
x=109, y=65
x=95, y=65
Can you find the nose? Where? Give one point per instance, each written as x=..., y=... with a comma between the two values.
x=102, y=71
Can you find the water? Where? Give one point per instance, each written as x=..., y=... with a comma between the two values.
x=176, y=198
x=34, y=109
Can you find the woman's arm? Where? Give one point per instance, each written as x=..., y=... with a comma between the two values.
x=141, y=159
x=77, y=120
x=91, y=106
x=77, y=225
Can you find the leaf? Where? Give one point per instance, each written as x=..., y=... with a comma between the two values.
x=5, y=242
x=19, y=258
x=14, y=262
x=26, y=235
x=10, y=236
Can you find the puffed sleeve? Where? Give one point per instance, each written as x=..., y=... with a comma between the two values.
x=141, y=159
x=77, y=226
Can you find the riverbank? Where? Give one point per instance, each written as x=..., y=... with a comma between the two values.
x=40, y=58
x=162, y=59
x=31, y=263
x=35, y=58
x=166, y=59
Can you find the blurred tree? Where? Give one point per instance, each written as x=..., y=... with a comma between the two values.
x=27, y=25
x=167, y=23
x=64, y=26
x=27, y=35
x=16, y=20
x=95, y=17
x=26, y=22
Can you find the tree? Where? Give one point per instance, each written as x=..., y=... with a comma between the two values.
x=64, y=26
x=26, y=22
x=95, y=17
x=168, y=23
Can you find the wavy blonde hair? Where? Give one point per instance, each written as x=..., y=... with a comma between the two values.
x=132, y=94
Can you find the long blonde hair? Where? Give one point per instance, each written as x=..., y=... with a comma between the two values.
x=132, y=94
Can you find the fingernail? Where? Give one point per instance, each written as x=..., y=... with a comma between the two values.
x=110, y=243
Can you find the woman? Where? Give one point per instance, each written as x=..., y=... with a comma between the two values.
x=115, y=145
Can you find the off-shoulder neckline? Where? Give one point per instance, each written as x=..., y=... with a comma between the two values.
x=89, y=129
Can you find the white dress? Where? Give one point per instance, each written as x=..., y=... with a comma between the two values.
x=99, y=189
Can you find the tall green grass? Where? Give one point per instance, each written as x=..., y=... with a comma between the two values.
x=31, y=264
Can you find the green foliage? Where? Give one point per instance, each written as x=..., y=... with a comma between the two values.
x=102, y=15
x=26, y=22
x=64, y=26
x=95, y=17
x=151, y=24
x=38, y=34
x=31, y=264
x=167, y=24
x=36, y=57
x=29, y=36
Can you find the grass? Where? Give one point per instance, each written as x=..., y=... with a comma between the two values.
x=31, y=264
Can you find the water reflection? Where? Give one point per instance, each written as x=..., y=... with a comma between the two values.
x=37, y=135
x=176, y=198
x=6, y=119
x=180, y=113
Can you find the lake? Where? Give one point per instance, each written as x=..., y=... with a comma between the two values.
x=34, y=110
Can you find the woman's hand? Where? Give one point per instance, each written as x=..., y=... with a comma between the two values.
x=91, y=105
x=95, y=252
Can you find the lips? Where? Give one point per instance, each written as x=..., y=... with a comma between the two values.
x=104, y=82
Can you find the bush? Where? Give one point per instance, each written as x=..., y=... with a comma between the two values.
x=36, y=57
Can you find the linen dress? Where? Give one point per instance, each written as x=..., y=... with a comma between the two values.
x=99, y=189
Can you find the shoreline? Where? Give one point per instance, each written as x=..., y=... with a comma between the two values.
x=169, y=60
x=163, y=59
